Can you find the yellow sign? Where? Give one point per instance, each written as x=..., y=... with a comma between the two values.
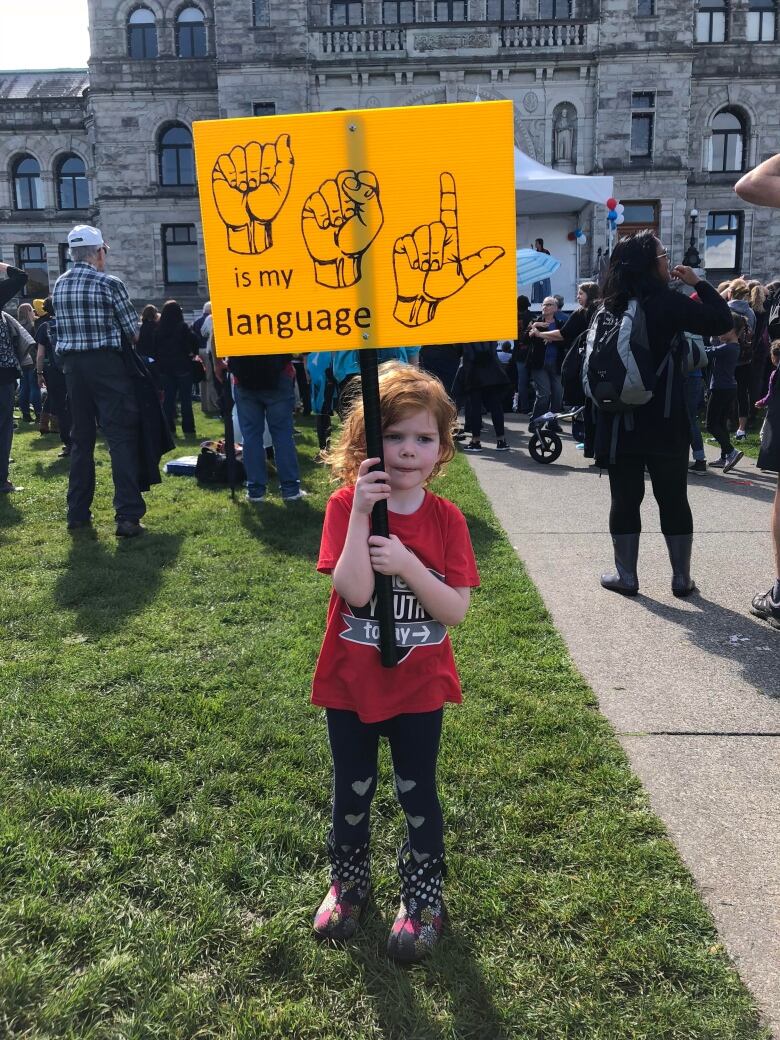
x=340, y=230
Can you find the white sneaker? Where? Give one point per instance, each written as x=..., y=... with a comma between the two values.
x=740, y=435
x=255, y=499
x=296, y=497
x=732, y=460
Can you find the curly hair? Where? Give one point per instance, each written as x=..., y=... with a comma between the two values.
x=403, y=390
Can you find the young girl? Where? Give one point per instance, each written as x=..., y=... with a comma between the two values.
x=430, y=559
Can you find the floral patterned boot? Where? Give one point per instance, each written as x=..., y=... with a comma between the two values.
x=420, y=917
x=350, y=876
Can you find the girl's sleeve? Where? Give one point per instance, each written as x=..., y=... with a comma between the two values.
x=334, y=532
x=461, y=565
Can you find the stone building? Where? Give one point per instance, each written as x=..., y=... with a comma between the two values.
x=672, y=99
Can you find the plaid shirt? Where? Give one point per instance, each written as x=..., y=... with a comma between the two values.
x=93, y=310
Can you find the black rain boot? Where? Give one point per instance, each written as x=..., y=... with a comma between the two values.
x=420, y=918
x=350, y=885
x=624, y=578
x=680, y=546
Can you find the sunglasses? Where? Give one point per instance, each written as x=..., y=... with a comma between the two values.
x=660, y=256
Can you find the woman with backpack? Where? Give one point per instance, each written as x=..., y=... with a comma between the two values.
x=655, y=434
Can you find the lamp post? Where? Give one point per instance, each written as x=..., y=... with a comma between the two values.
x=692, y=258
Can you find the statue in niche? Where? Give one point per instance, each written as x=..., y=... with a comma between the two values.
x=563, y=137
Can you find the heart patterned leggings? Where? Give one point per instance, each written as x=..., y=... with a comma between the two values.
x=414, y=746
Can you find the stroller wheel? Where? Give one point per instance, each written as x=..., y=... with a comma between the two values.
x=545, y=447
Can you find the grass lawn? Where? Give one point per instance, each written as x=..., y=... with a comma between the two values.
x=166, y=797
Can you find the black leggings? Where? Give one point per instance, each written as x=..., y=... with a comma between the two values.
x=669, y=476
x=718, y=411
x=493, y=397
x=414, y=746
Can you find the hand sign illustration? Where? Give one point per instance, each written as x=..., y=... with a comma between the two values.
x=428, y=264
x=250, y=187
x=340, y=221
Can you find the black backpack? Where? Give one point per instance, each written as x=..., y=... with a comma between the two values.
x=259, y=371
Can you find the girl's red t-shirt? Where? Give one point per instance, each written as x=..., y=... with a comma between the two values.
x=349, y=672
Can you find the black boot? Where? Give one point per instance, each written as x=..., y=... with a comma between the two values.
x=680, y=546
x=420, y=918
x=624, y=578
x=350, y=885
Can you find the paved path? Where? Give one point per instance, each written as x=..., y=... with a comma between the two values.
x=692, y=687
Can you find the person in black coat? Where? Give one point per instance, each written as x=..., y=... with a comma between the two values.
x=483, y=379
x=655, y=435
x=173, y=345
x=544, y=360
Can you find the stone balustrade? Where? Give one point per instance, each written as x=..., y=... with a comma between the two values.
x=369, y=40
x=525, y=35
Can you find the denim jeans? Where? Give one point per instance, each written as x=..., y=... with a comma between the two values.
x=7, y=395
x=29, y=392
x=178, y=385
x=549, y=391
x=276, y=406
x=523, y=387
x=694, y=394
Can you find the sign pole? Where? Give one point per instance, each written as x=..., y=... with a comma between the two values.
x=369, y=378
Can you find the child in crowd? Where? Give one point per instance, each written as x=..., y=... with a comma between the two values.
x=774, y=383
x=431, y=561
x=724, y=355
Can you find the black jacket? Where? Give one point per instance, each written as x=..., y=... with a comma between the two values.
x=481, y=368
x=667, y=313
x=173, y=348
x=154, y=436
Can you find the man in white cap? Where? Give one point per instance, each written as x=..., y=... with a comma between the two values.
x=93, y=313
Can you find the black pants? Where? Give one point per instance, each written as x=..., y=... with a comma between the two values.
x=742, y=376
x=303, y=386
x=100, y=390
x=324, y=416
x=493, y=397
x=414, y=746
x=719, y=409
x=57, y=400
x=669, y=477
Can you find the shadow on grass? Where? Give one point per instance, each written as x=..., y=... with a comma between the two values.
x=105, y=587
x=10, y=516
x=290, y=528
x=453, y=969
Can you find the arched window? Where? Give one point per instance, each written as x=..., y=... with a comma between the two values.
x=191, y=33
x=72, y=187
x=141, y=34
x=176, y=160
x=28, y=191
x=728, y=142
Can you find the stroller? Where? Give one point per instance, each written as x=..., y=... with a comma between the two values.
x=546, y=445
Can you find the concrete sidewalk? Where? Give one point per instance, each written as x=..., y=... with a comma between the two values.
x=692, y=687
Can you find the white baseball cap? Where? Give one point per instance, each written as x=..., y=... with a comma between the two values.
x=85, y=235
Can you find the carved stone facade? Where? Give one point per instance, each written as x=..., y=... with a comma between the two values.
x=604, y=91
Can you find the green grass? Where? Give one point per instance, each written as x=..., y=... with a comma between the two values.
x=166, y=796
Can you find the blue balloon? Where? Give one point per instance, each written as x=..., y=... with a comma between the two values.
x=578, y=233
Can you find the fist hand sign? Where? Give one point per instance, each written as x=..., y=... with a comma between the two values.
x=340, y=221
x=250, y=187
x=428, y=264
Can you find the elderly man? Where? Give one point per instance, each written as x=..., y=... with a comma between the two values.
x=93, y=313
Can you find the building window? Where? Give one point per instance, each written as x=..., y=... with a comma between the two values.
x=346, y=12
x=28, y=190
x=141, y=34
x=72, y=186
x=65, y=260
x=728, y=143
x=397, y=12
x=263, y=108
x=761, y=21
x=32, y=260
x=554, y=9
x=503, y=10
x=191, y=34
x=723, y=242
x=180, y=254
x=260, y=15
x=645, y=8
x=177, y=164
x=451, y=10
x=711, y=21
x=642, y=120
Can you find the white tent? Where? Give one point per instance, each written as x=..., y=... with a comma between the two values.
x=549, y=204
x=551, y=191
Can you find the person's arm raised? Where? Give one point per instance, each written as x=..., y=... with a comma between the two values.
x=761, y=186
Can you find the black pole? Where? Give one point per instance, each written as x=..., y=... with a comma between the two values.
x=383, y=583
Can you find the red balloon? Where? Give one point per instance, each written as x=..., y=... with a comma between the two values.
x=571, y=236
x=611, y=203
